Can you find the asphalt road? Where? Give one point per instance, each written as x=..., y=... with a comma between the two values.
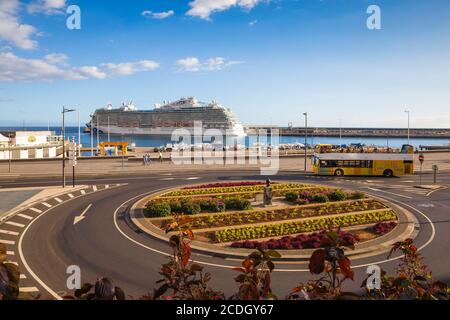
x=105, y=244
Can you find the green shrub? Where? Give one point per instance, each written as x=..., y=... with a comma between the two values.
x=212, y=205
x=319, y=198
x=237, y=204
x=357, y=195
x=337, y=195
x=291, y=196
x=158, y=209
x=176, y=206
x=189, y=207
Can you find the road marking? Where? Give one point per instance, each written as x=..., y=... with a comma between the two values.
x=10, y=253
x=13, y=233
x=15, y=224
x=24, y=261
x=22, y=276
x=192, y=178
x=94, y=188
x=83, y=192
x=82, y=215
x=28, y=289
x=58, y=200
x=25, y=216
x=48, y=205
x=167, y=179
x=12, y=262
x=36, y=210
x=395, y=194
x=107, y=186
x=71, y=196
x=7, y=242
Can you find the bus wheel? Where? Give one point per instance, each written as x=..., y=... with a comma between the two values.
x=339, y=173
x=388, y=173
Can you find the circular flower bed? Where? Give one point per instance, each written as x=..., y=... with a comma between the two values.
x=227, y=214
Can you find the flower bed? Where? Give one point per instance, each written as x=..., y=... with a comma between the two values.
x=226, y=184
x=194, y=206
x=383, y=227
x=301, y=241
x=279, y=190
x=311, y=225
x=240, y=218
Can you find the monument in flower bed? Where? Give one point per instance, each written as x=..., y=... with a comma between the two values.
x=294, y=215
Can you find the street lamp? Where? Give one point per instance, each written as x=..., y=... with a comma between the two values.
x=9, y=151
x=408, y=112
x=63, y=129
x=306, y=135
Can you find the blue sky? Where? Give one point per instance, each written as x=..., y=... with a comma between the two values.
x=269, y=60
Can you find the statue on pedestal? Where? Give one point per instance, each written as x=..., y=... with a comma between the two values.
x=268, y=193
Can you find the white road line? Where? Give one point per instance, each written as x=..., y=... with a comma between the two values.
x=12, y=262
x=28, y=289
x=10, y=253
x=7, y=242
x=94, y=188
x=71, y=196
x=15, y=224
x=12, y=233
x=25, y=216
x=192, y=178
x=24, y=261
x=58, y=200
x=167, y=179
x=36, y=210
x=395, y=194
x=48, y=205
x=83, y=192
x=22, y=276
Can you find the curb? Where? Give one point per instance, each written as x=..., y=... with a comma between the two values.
x=407, y=228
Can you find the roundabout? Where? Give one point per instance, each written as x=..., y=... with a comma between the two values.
x=109, y=243
x=299, y=215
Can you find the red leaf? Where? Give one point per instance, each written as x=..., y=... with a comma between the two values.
x=344, y=265
x=317, y=261
x=247, y=264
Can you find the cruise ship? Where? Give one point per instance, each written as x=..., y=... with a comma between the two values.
x=165, y=118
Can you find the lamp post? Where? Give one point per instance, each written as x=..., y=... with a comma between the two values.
x=306, y=135
x=92, y=138
x=9, y=151
x=408, y=112
x=108, y=130
x=63, y=129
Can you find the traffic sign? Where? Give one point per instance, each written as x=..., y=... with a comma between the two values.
x=421, y=158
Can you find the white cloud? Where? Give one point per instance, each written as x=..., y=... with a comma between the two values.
x=53, y=67
x=158, y=15
x=47, y=7
x=11, y=30
x=56, y=58
x=91, y=72
x=129, y=68
x=193, y=64
x=204, y=8
x=252, y=23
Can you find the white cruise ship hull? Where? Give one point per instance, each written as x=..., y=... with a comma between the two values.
x=237, y=130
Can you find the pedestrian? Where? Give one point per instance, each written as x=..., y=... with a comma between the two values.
x=144, y=160
x=160, y=156
x=149, y=160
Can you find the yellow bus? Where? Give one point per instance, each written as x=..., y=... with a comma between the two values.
x=329, y=161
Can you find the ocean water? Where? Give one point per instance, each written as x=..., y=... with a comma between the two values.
x=157, y=141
